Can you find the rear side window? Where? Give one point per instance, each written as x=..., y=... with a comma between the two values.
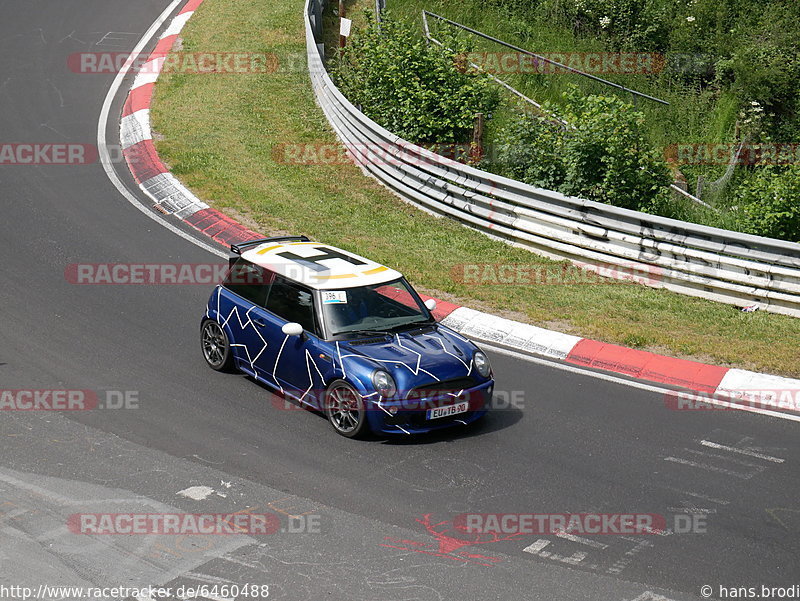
x=249, y=281
x=292, y=302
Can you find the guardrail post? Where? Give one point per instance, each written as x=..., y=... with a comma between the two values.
x=342, y=15
x=316, y=19
x=476, y=152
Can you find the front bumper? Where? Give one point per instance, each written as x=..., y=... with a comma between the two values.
x=414, y=421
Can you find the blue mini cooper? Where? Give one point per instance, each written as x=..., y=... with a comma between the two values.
x=343, y=335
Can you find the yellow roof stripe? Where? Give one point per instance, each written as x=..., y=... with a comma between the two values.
x=264, y=251
x=376, y=270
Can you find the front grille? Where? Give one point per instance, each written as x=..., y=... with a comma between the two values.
x=453, y=386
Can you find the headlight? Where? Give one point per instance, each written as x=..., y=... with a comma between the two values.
x=384, y=383
x=482, y=364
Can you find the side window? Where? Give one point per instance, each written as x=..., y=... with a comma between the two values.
x=249, y=281
x=292, y=302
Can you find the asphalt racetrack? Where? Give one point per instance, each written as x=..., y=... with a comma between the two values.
x=360, y=520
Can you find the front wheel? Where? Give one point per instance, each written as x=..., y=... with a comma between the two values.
x=216, y=346
x=344, y=408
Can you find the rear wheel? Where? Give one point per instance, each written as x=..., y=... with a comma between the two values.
x=216, y=346
x=344, y=408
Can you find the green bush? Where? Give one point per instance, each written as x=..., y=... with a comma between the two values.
x=421, y=92
x=769, y=203
x=603, y=156
x=530, y=150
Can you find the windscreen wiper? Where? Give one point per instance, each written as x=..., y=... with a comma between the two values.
x=366, y=332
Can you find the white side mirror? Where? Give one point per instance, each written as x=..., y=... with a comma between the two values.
x=292, y=329
x=431, y=304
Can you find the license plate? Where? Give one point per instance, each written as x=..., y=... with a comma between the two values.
x=438, y=412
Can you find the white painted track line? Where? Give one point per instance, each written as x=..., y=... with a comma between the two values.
x=748, y=452
x=102, y=145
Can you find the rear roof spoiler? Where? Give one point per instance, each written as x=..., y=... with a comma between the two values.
x=237, y=249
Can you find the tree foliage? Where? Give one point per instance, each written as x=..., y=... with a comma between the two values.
x=419, y=91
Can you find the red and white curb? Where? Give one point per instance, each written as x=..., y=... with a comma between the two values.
x=771, y=393
x=713, y=384
x=168, y=194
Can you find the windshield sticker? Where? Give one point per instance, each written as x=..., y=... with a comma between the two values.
x=334, y=297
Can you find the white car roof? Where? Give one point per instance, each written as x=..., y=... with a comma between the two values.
x=318, y=265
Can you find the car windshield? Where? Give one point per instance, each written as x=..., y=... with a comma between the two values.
x=378, y=308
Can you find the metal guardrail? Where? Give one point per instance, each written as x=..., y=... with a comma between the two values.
x=691, y=259
x=538, y=57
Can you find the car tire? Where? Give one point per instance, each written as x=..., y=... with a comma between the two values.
x=216, y=347
x=345, y=409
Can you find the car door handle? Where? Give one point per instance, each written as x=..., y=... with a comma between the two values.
x=259, y=322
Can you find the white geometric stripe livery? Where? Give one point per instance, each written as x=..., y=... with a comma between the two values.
x=251, y=359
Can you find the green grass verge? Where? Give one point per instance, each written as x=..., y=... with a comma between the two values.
x=217, y=134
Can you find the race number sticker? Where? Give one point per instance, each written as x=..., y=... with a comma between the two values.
x=334, y=297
